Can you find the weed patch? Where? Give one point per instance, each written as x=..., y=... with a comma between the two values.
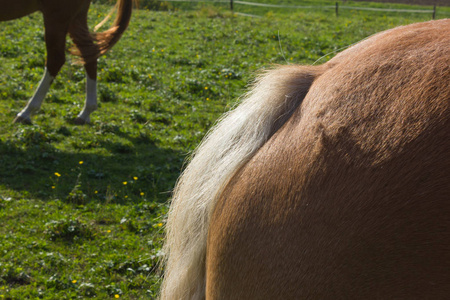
x=69, y=230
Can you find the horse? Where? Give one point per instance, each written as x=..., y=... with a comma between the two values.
x=62, y=17
x=329, y=181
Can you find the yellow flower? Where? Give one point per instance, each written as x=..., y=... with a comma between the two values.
x=142, y=194
x=160, y=224
x=135, y=178
x=74, y=281
x=116, y=296
x=57, y=174
x=206, y=87
x=81, y=162
x=108, y=231
x=96, y=192
x=125, y=183
x=53, y=186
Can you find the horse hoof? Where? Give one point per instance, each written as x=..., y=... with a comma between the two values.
x=22, y=120
x=80, y=121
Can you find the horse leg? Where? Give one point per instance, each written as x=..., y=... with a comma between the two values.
x=55, y=40
x=89, y=52
x=90, y=105
x=35, y=102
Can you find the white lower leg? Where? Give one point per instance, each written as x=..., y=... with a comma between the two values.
x=36, y=101
x=91, y=100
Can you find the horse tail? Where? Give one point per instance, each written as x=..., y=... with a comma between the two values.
x=107, y=39
x=104, y=41
x=227, y=147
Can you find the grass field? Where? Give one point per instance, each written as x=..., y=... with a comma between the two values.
x=82, y=209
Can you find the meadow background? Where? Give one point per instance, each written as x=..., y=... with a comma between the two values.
x=82, y=208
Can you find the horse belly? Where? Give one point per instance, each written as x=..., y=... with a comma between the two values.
x=11, y=10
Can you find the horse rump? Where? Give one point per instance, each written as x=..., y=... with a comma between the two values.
x=327, y=182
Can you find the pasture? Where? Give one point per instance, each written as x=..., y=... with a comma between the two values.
x=82, y=208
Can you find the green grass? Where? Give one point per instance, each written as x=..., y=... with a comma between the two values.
x=82, y=209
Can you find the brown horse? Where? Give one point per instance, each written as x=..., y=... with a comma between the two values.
x=327, y=182
x=62, y=17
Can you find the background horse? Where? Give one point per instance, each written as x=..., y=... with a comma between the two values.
x=62, y=17
x=327, y=182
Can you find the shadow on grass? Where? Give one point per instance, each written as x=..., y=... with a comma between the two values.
x=31, y=167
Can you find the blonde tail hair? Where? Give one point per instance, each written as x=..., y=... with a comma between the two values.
x=227, y=147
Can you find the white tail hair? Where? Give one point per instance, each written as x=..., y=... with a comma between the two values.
x=227, y=147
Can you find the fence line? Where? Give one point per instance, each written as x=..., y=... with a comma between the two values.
x=247, y=15
x=231, y=2
x=279, y=6
x=215, y=1
x=332, y=7
x=425, y=11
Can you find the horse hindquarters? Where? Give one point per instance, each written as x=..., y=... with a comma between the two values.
x=90, y=46
x=17, y=9
x=225, y=149
x=56, y=28
x=57, y=18
x=70, y=16
x=89, y=51
x=350, y=198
